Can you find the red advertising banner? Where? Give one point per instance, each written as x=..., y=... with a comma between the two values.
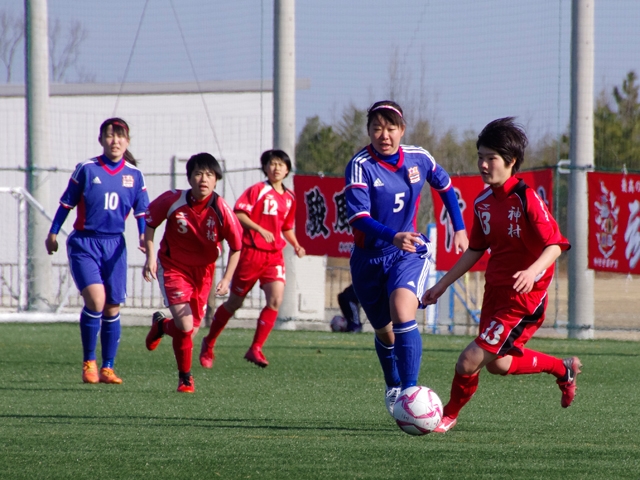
x=467, y=188
x=321, y=216
x=614, y=222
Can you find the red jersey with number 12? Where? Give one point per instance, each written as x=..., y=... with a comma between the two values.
x=271, y=210
x=192, y=236
x=516, y=225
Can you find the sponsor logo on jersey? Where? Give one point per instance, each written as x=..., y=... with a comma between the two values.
x=127, y=181
x=414, y=174
x=96, y=180
x=378, y=183
x=483, y=206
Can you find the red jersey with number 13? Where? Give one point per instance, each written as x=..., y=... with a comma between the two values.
x=271, y=210
x=516, y=225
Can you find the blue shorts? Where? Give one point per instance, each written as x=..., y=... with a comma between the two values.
x=99, y=259
x=376, y=274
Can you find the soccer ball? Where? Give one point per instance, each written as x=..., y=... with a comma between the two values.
x=338, y=324
x=418, y=410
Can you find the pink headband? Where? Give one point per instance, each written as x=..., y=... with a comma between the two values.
x=388, y=107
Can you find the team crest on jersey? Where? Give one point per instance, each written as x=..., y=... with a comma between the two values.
x=414, y=174
x=127, y=181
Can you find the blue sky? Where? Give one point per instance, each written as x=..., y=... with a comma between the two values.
x=459, y=63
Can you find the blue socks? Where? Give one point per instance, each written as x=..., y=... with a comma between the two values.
x=408, y=347
x=89, y=328
x=110, y=339
x=388, y=363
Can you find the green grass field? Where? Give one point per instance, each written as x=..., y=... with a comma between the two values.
x=317, y=411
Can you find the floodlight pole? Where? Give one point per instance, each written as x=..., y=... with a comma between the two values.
x=581, y=278
x=37, y=150
x=284, y=126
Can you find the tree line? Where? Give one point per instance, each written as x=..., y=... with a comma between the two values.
x=325, y=149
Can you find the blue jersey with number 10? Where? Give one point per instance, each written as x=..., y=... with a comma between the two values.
x=105, y=192
x=390, y=194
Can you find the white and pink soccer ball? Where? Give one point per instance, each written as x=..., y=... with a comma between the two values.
x=338, y=324
x=418, y=410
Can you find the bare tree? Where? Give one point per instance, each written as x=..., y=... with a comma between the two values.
x=64, y=51
x=11, y=34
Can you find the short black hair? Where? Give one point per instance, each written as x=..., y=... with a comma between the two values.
x=204, y=161
x=389, y=110
x=506, y=137
x=266, y=157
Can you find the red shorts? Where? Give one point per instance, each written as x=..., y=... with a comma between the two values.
x=183, y=284
x=257, y=265
x=509, y=319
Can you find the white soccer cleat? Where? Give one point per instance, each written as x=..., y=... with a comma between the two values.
x=390, y=397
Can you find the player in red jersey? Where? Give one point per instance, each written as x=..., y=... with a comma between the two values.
x=266, y=210
x=525, y=241
x=197, y=222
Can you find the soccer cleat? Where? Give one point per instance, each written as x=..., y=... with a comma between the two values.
x=107, y=375
x=155, y=333
x=446, y=424
x=90, y=372
x=390, y=397
x=567, y=384
x=207, y=357
x=255, y=355
x=185, y=384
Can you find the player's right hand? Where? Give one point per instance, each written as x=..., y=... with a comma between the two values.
x=432, y=295
x=407, y=241
x=267, y=235
x=51, y=243
x=150, y=269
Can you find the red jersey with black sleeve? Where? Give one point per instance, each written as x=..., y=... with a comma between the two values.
x=516, y=225
x=271, y=210
x=194, y=229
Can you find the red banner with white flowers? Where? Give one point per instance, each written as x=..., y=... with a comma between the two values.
x=467, y=188
x=614, y=222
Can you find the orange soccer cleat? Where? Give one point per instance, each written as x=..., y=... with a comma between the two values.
x=90, y=372
x=107, y=375
x=185, y=384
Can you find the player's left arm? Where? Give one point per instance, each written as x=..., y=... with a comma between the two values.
x=290, y=236
x=548, y=233
x=525, y=279
x=232, y=262
x=140, y=205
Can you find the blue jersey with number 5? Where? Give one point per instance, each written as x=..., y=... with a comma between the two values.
x=105, y=192
x=390, y=194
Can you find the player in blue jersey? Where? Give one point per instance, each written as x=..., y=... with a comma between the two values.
x=390, y=260
x=105, y=189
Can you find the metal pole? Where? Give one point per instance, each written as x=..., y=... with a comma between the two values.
x=284, y=125
x=37, y=126
x=581, y=278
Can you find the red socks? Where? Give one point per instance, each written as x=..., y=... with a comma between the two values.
x=266, y=321
x=536, y=362
x=462, y=389
x=220, y=319
x=182, y=344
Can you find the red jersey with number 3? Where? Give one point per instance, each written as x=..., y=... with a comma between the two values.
x=271, y=210
x=194, y=231
x=516, y=225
